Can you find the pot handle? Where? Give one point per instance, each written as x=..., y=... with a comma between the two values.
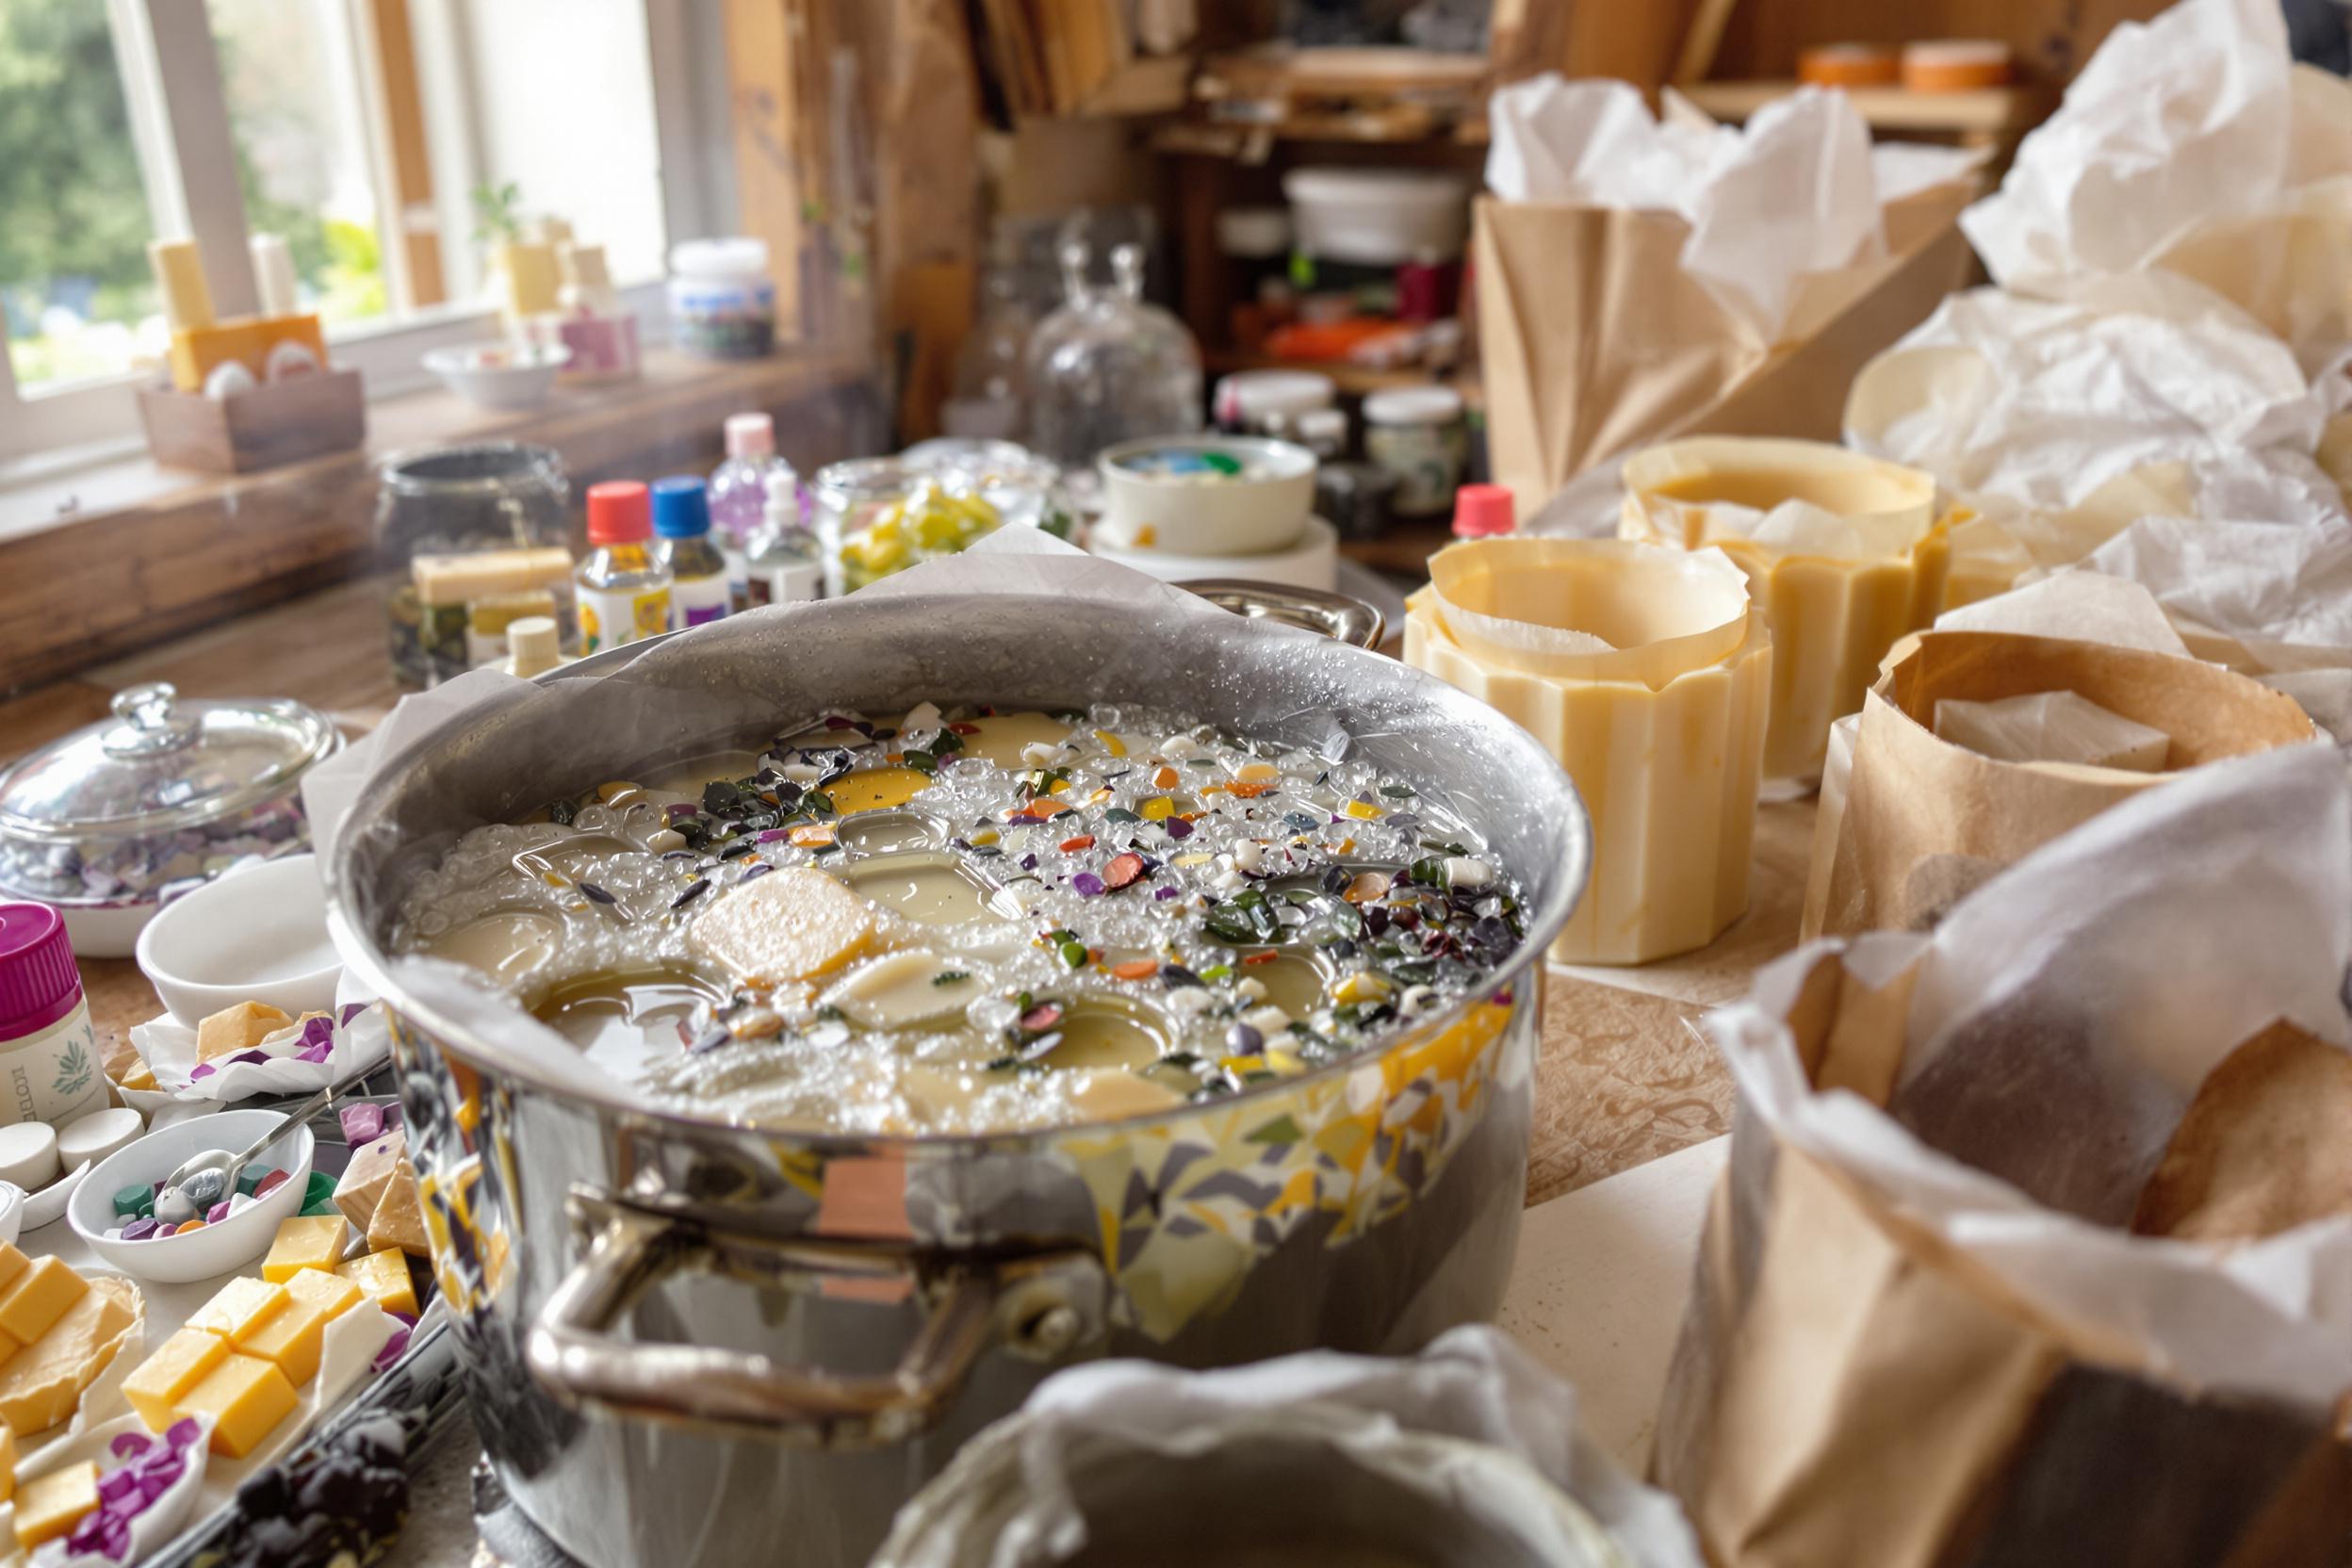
x=1336, y=615
x=1040, y=1305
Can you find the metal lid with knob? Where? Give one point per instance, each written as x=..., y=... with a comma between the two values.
x=162, y=763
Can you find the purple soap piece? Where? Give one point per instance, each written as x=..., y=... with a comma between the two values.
x=393, y=1347
x=318, y=1052
x=362, y=1125
x=318, y=1031
x=129, y=1445
x=215, y=1215
x=201, y=1069
x=139, y=1230
x=251, y=1056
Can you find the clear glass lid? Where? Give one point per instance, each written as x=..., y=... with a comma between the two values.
x=162, y=763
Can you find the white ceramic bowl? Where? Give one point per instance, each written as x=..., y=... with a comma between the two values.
x=1378, y=216
x=1259, y=512
x=106, y=931
x=217, y=1249
x=257, y=935
x=499, y=375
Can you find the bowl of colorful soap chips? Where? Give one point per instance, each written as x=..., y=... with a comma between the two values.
x=114, y=1208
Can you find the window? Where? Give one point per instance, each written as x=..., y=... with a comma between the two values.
x=356, y=131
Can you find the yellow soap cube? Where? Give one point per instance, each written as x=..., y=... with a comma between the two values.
x=331, y=1294
x=38, y=1297
x=239, y=1308
x=8, y=1462
x=12, y=1263
x=306, y=1241
x=246, y=1397
x=384, y=1277
x=292, y=1340
x=51, y=1505
x=163, y=1379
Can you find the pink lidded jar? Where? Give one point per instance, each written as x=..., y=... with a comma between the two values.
x=48, y=1053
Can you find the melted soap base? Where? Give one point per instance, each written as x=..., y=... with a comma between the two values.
x=996, y=922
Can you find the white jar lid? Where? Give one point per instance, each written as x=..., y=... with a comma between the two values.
x=734, y=258
x=1248, y=395
x=1412, y=406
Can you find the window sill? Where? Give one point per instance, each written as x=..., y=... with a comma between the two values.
x=99, y=561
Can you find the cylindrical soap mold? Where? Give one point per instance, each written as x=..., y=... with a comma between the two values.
x=1845, y=553
x=1647, y=671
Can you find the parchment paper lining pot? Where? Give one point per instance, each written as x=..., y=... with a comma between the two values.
x=566, y=1216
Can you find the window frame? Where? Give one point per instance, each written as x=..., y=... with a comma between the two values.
x=178, y=112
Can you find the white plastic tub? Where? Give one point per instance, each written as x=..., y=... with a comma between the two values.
x=1378, y=216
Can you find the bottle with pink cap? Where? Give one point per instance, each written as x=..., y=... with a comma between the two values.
x=48, y=1054
x=738, y=495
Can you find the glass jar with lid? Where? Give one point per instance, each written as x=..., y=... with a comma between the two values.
x=107, y=823
x=1107, y=367
x=499, y=496
x=1024, y=486
x=879, y=515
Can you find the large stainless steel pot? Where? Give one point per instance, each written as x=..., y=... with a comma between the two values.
x=688, y=1341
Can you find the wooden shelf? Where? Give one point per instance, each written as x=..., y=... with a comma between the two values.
x=1989, y=112
x=1252, y=142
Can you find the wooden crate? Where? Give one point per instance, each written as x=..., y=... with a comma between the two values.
x=276, y=423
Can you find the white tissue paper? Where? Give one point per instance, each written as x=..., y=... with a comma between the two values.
x=297, y=1059
x=1795, y=192
x=2053, y=727
x=1019, y=1494
x=2063, y=422
x=2194, y=143
x=2097, y=983
x=2081, y=607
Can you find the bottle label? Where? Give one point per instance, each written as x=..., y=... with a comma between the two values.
x=612, y=617
x=694, y=600
x=52, y=1074
x=802, y=579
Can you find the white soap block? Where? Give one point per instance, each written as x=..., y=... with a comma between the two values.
x=97, y=1135
x=2053, y=727
x=28, y=1154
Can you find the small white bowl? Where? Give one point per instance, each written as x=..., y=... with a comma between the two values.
x=499, y=375
x=1258, y=512
x=105, y=930
x=11, y=1212
x=257, y=935
x=217, y=1249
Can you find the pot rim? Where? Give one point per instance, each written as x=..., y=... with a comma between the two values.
x=362, y=956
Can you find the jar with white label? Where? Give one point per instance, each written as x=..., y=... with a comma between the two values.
x=48, y=1053
x=1416, y=433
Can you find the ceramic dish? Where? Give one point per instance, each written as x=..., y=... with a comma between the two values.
x=1205, y=495
x=219, y=1248
x=499, y=375
x=1312, y=560
x=257, y=935
x=11, y=1212
x=48, y=1205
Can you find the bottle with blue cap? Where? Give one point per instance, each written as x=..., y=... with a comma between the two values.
x=682, y=521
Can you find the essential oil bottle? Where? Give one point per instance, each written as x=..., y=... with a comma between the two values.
x=698, y=576
x=624, y=592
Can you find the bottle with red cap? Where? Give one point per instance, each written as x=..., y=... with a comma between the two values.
x=624, y=587
x=1482, y=511
x=48, y=1056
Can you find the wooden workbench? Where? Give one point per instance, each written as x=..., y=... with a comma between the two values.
x=1623, y=1078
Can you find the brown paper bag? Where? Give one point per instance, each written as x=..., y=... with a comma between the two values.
x=1594, y=342
x=1922, y=821
x=1903, y=1355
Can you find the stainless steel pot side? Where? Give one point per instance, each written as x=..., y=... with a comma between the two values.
x=688, y=1341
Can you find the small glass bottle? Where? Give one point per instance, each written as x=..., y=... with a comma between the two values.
x=681, y=525
x=738, y=494
x=787, y=560
x=623, y=591
x=537, y=648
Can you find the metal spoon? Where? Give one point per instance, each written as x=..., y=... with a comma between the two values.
x=204, y=1180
